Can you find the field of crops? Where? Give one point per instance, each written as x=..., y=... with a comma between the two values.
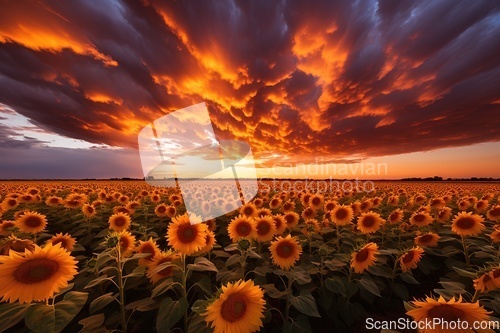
x=108, y=256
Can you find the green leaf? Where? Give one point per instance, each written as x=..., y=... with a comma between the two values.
x=300, y=325
x=383, y=271
x=101, y=301
x=169, y=313
x=145, y=304
x=202, y=264
x=97, y=281
x=93, y=323
x=301, y=276
x=163, y=287
x=305, y=303
x=47, y=319
x=370, y=286
x=11, y=314
x=336, y=285
x=198, y=324
x=234, y=259
x=137, y=272
x=273, y=292
x=465, y=273
x=408, y=278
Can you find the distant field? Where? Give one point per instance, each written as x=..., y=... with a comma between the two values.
x=320, y=258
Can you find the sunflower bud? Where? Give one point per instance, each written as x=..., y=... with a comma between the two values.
x=244, y=244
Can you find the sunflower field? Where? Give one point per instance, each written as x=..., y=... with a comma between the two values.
x=124, y=256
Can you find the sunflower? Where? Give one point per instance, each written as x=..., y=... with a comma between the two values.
x=486, y=282
x=410, y=259
x=291, y=219
x=6, y=227
x=279, y=223
x=88, y=210
x=481, y=206
x=209, y=242
x=150, y=247
x=9, y=203
x=288, y=206
x=241, y=227
x=264, y=212
x=364, y=258
x=184, y=236
x=127, y=243
x=67, y=242
x=119, y=221
x=467, y=224
x=495, y=235
x=264, y=228
x=211, y=224
x=248, y=210
x=37, y=275
x=330, y=205
x=396, y=216
x=494, y=213
x=316, y=202
x=420, y=219
x=369, y=222
x=156, y=273
x=430, y=239
x=285, y=251
x=275, y=203
x=122, y=209
x=238, y=309
x=444, y=215
x=311, y=226
x=31, y=222
x=308, y=213
x=342, y=215
x=16, y=244
x=161, y=210
x=444, y=312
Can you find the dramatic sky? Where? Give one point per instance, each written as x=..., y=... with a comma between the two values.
x=410, y=84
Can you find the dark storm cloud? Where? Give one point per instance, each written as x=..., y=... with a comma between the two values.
x=295, y=78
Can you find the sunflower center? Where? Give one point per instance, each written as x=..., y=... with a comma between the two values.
x=426, y=238
x=495, y=212
x=408, y=257
x=368, y=221
x=248, y=211
x=36, y=270
x=362, y=255
x=446, y=312
x=316, y=201
x=486, y=278
x=419, y=218
x=465, y=223
x=90, y=209
x=263, y=228
x=33, y=221
x=186, y=233
x=394, y=216
x=243, y=229
x=277, y=222
x=12, y=202
x=289, y=219
x=148, y=249
x=166, y=271
x=284, y=250
x=60, y=240
x=162, y=209
x=234, y=307
x=120, y=221
x=341, y=214
x=287, y=206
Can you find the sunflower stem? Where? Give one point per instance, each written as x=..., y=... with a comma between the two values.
x=184, y=290
x=476, y=296
x=121, y=289
x=466, y=252
x=289, y=290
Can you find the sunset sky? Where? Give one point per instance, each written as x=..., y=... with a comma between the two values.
x=412, y=85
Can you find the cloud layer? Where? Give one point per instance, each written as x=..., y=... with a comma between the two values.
x=295, y=79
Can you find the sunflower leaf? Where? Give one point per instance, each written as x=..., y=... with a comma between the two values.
x=305, y=303
x=101, y=301
x=11, y=314
x=202, y=264
x=169, y=313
